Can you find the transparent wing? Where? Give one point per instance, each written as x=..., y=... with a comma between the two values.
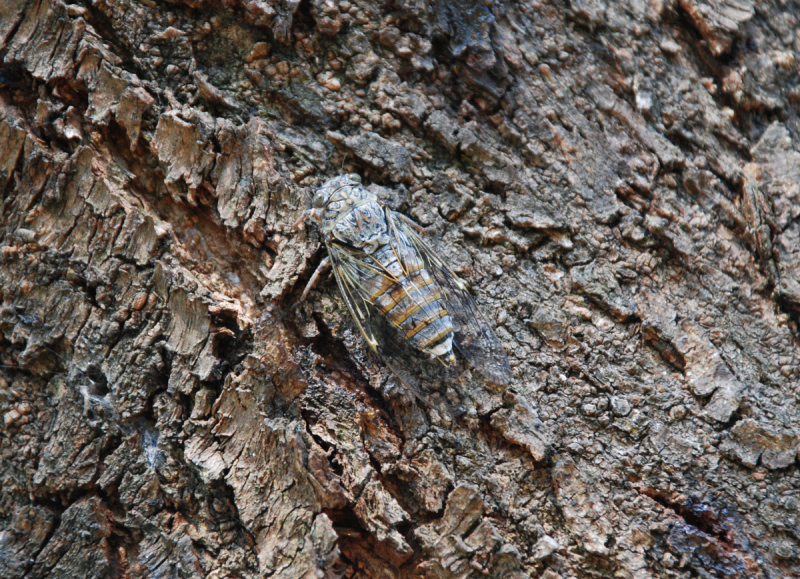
x=474, y=338
x=352, y=267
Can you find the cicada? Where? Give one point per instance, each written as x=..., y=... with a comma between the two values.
x=409, y=306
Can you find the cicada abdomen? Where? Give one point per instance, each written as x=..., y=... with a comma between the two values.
x=402, y=289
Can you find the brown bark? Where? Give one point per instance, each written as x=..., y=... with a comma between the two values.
x=617, y=181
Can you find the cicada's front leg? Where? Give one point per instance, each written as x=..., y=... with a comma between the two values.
x=416, y=226
x=302, y=219
x=297, y=225
x=323, y=267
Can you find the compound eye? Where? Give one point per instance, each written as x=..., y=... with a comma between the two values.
x=355, y=177
x=319, y=200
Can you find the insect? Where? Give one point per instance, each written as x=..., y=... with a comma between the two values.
x=406, y=302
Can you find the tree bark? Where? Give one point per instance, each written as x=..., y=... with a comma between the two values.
x=618, y=182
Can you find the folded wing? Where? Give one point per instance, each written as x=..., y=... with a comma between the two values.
x=474, y=338
x=353, y=269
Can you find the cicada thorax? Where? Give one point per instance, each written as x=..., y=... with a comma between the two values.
x=339, y=211
x=395, y=278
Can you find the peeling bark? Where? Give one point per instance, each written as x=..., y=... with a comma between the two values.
x=618, y=182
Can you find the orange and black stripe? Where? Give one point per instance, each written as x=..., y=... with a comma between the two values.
x=412, y=301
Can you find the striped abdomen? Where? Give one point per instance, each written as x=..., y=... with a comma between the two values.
x=413, y=303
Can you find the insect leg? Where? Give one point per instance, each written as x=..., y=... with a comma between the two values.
x=414, y=224
x=323, y=267
x=285, y=227
x=301, y=220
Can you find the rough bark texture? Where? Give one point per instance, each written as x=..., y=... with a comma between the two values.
x=619, y=182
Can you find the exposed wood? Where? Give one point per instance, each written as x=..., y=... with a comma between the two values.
x=618, y=182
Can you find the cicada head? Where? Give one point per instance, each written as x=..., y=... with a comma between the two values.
x=328, y=191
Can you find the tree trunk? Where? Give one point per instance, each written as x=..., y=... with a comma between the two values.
x=618, y=182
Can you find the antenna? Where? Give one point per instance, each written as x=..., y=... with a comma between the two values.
x=343, y=160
